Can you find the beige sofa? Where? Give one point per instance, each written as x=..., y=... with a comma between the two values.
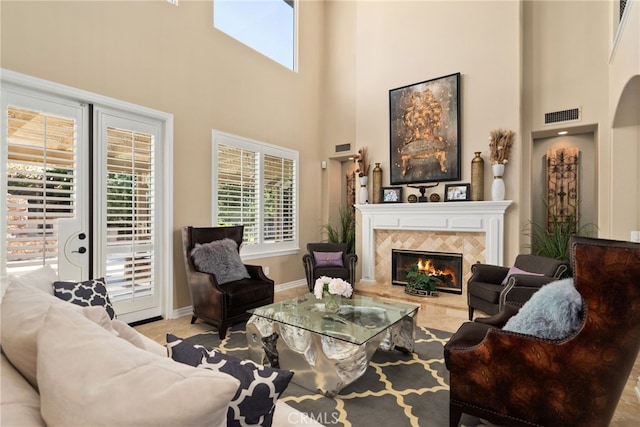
x=65, y=365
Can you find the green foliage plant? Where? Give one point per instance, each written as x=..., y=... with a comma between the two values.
x=421, y=281
x=554, y=242
x=346, y=230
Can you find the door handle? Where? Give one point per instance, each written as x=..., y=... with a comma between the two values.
x=80, y=250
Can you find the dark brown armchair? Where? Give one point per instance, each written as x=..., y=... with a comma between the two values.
x=515, y=379
x=487, y=293
x=313, y=271
x=225, y=304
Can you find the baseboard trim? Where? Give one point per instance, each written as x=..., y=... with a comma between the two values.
x=291, y=285
x=188, y=310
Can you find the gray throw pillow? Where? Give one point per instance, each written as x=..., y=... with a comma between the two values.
x=553, y=312
x=221, y=258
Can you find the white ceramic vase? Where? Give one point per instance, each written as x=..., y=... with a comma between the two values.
x=363, y=197
x=497, y=186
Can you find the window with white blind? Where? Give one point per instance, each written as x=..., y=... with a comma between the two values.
x=255, y=184
x=129, y=213
x=40, y=185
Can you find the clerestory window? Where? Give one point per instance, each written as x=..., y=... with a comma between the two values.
x=268, y=26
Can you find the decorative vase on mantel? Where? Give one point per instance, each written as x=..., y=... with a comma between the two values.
x=477, y=177
x=364, y=194
x=377, y=184
x=497, y=186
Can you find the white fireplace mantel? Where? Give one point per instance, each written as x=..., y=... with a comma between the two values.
x=478, y=217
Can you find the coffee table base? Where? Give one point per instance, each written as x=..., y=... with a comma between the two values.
x=320, y=363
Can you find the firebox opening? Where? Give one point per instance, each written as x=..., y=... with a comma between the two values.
x=446, y=266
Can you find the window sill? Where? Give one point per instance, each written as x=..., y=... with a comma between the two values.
x=269, y=254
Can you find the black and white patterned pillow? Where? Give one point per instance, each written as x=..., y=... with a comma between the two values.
x=260, y=386
x=84, y=294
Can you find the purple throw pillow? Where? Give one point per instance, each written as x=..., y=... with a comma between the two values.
x=516, y=270
x=328, y=259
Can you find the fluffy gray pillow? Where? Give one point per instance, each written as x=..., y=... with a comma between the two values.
x=553, y=312
x=221, y=258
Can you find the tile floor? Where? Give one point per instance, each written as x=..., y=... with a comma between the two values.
x=445, y=312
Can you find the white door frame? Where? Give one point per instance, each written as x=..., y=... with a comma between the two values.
x=165, y=227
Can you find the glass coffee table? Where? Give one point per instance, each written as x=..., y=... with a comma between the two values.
x=328, y=350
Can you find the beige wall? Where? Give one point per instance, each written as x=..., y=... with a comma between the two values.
x=624, y=111
x=400, y=43
x=571, y=62
x=517, y=61
x=172, y=59
x=566, y=66
x=338, y=104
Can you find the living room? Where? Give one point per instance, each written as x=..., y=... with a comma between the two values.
x=517, y=60
x=350, y=54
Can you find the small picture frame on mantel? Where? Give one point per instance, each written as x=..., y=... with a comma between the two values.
x=457, y=192
x=391, y=194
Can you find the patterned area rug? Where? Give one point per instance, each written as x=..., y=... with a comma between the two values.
x=398, y=389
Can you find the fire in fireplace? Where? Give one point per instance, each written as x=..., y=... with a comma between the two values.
x=446, y=266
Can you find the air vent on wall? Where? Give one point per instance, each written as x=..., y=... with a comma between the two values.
x=572, y=114
x=342, y=148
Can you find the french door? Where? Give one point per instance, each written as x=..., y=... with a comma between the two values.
x=82, y=196
x=126, y=196
x=45, y=203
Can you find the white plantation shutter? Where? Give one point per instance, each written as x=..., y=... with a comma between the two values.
x=255, y=185
x=40, y=185
x=129, y=213
x=279, y=199
x=238, y=186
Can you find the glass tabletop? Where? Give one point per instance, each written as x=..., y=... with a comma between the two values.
x=356, y=321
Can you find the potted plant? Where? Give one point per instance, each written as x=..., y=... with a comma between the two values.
x=346, y=232
x=553, y=241
x=420, y=283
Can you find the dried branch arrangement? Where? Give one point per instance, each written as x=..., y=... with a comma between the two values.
x=500, y=144
x=363, y=162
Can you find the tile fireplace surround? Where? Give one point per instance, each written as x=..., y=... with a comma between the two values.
x=474, y=229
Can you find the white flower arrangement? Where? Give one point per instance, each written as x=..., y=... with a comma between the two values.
x=334, y=286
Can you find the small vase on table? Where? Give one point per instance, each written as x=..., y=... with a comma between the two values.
x=332, y=302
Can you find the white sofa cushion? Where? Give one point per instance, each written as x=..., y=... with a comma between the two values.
x=87, y=376
x=23, y=311
x=20, y=401
x=42, y=279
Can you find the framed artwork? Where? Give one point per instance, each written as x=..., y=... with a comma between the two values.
x=424, y=126
x=392, y=195
x=457, y=192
